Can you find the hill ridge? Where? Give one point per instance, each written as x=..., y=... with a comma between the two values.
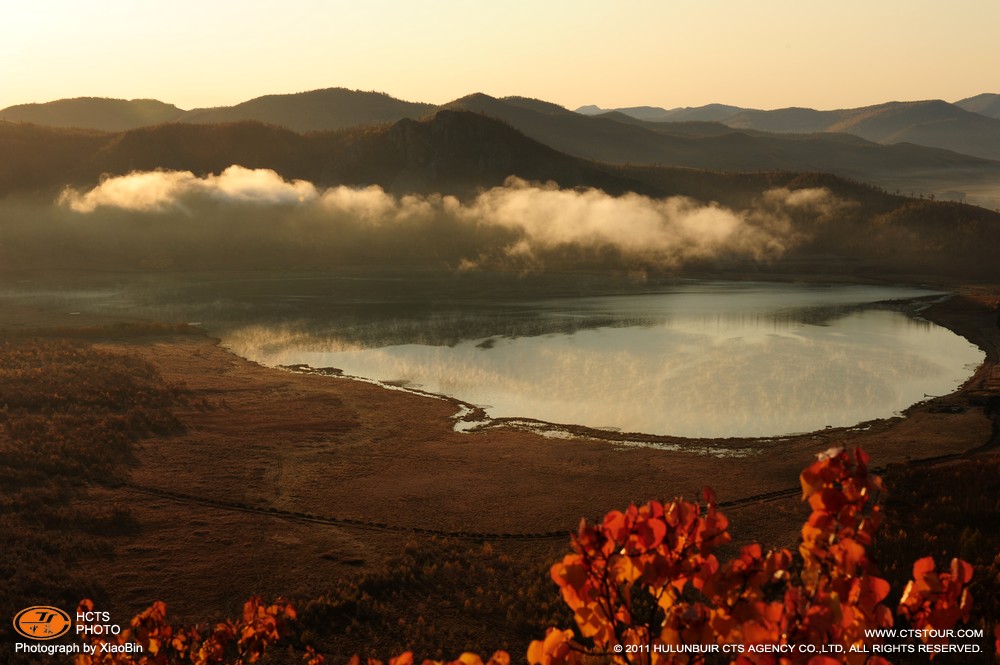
x=795, y=138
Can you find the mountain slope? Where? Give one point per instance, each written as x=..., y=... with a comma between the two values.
x=987, y=104
x=35, y=156
x=619, y=138
x=932, y=123
x=316, y=110
x=110, y=115
x=598, y=138
x=707, y=113
x=449, y=152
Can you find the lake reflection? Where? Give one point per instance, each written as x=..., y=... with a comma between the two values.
x=702, y=360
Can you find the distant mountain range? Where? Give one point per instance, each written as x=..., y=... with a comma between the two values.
x=619, y=138
x=987, y=104
x=708, y=113
x=317, y=110
x=459, y=152
x=970, y=126
x=948, y=150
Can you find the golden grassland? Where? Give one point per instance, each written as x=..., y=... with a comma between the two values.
x=69, y=415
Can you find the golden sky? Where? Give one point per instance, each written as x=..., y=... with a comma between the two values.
x=764, y=54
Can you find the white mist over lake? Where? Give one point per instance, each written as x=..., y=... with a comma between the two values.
x=700, y=360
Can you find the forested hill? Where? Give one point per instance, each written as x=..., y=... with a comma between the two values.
x=462, y=153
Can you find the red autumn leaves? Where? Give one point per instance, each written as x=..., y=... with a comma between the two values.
x=645, y=583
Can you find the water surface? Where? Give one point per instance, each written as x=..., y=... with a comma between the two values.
x=697, y=359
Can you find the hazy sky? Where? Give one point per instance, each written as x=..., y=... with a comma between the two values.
x=764, y=54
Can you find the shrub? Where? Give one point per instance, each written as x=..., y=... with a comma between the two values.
x=646, y=587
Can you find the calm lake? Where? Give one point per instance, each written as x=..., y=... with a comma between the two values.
x=697, y=359
x=687, y=358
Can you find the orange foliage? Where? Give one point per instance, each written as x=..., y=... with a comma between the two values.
x=937, y=600
x=406, y=658
x=236, y=643
x=646, y=587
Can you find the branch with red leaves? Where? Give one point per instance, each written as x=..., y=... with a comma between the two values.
x=228, y=642
x=645, y=586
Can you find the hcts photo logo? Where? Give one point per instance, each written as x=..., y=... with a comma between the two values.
x=42, y=622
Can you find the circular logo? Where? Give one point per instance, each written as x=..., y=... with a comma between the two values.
x=42, y=622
